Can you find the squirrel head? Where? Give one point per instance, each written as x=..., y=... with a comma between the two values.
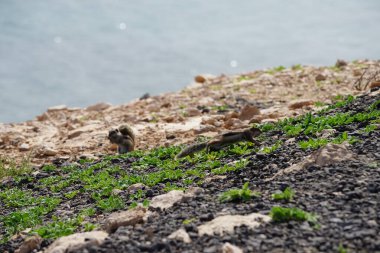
x=113, y=133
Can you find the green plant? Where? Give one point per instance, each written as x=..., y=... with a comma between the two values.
x=71, y=194
x=111, y=203
x=89, y=227
x=271, y=149
x=243, y=194
x=188, y=221
x=146, y=203
x=8, y=167
x=169, y=187
x=297, y=67
x=369, y=128
x=319, y=104
x=284, y=214
x=49, y=168
x=58, y=228
x=342, y=249
x=313, y=143
x=286, y=195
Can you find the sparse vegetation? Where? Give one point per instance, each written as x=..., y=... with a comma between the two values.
x=235, y=195
x=286, y=195
x=285, y=214
x=8, y=167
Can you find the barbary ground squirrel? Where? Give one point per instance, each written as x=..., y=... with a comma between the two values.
x=221, y=141
x=123, y=137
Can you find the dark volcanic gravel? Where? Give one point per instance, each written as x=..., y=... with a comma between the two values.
x=345, y=197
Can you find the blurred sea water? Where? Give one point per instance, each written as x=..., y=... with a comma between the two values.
x=82, y=52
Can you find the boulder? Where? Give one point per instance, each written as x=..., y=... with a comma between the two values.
x=75, y=242
x=180, y=235
x=226, y=223
x=124, y=218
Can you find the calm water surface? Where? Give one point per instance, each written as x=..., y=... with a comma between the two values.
x=82, y=52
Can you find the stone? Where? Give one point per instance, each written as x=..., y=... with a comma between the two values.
x=326, y=133
x=124, y=218
x=233, y=123
x=214, y=178
x=98, y=107
x=169, y=119
x=248, y=112
x=30, y=244
x=180, y=235
x=46, y=151
x=116, y=192
x=340, y=63
x=226, y=223
x=191, y=112
x=85, y=129
x=167, y=200
x=374, y=84
x=145, y=96
x=297, y=104
x=200, y=79
x=204, y=128
x=24, y=147
x=135, y=187
x=320, y=77
x=330, y=154
x=203, y=78
x=229, y=248
x=75, y=242
x=57, y=108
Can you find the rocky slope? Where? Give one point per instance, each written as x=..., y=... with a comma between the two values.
x=146, y=201
x=209, y=106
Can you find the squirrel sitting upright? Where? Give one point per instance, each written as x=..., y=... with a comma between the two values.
x=221, y=141
x=123, y=137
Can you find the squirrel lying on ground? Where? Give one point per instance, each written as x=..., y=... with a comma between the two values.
x=221, y=141
x=123, y=137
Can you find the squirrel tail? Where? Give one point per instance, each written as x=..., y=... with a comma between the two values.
x=192, y=149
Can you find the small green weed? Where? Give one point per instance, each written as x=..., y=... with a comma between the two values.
x=297, y=67
x=284, y=214
x=342, y=249
x=286, y=195
x=111, y=203
x=188, y=221
x=271, y=149
x=8, y=167
x=236, y=195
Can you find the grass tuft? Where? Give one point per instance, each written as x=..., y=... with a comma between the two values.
x=286, y=195
x=237, y=195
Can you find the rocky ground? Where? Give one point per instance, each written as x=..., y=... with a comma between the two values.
x=147, y=201
x=209, y=106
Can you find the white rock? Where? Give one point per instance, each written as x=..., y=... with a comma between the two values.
x=248, y=112
x=180, y=235
x=229, y=248
x=167, y=200
x=135, y=187
x=46, y=151
x=24, y=147
x=226, y=223
x=76, y=242
x=330, y=154
x=30, y=244
x=125, y=218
